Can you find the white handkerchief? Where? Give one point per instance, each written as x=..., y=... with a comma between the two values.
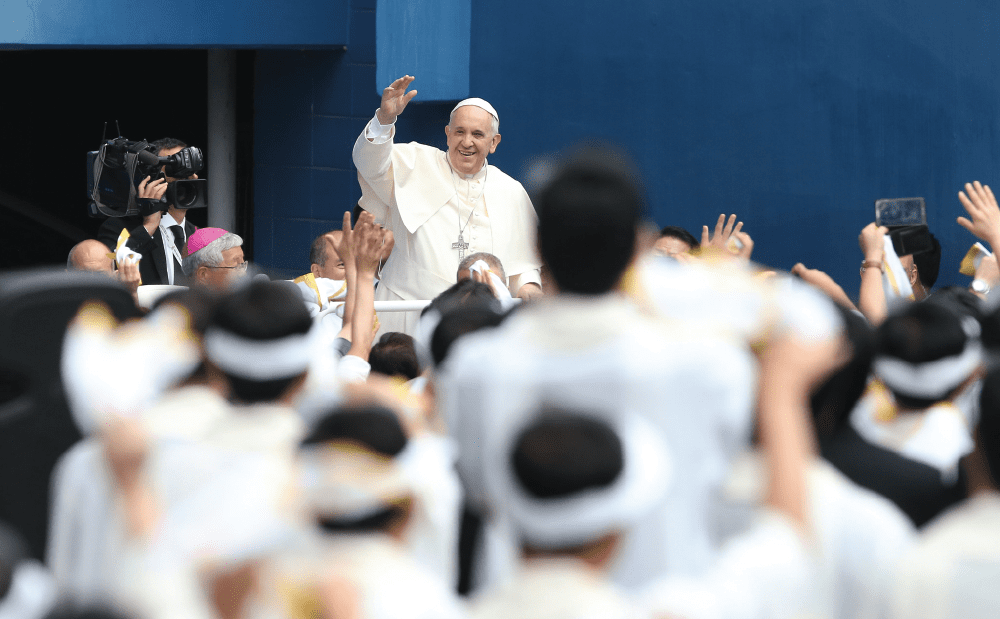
x=122, y=251
x=895, y=282
x=499, y=288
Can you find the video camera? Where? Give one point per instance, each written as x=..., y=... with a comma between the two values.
x=116, y=169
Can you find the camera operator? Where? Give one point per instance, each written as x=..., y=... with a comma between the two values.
x=160, y=237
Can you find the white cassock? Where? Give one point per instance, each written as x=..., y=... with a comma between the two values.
x=556, y=588
x=953, y=569
x=412, y=190
x=689, y=352
x=857, y=539
x=604, y=355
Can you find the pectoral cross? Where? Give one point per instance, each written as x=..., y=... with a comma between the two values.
x=461, y=246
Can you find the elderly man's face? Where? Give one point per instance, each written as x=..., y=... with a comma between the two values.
x=470, y=139
x=222, y=276
x=333, y=267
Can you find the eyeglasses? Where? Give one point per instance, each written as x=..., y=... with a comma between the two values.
x=240, y=268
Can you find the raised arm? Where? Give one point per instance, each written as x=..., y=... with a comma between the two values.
x=369, y=240
x=871, y=297
x=345, y=249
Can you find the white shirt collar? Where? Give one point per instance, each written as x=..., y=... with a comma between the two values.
x=168, y=220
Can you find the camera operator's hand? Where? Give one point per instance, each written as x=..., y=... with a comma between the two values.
x=394, y=100
x=153, y=190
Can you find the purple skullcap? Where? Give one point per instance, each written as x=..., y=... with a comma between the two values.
x=202, y=237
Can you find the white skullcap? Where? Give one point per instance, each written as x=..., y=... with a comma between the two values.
x=480, y=103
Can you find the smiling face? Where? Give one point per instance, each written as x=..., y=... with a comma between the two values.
x=470, y=138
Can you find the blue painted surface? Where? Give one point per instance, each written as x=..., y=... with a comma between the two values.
x=178, y=23
x=309, y=106
x=795, y=114
x=426, y=39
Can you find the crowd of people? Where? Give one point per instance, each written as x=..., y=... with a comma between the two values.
x=591, y=418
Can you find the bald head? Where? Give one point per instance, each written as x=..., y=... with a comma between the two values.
x=89, y=255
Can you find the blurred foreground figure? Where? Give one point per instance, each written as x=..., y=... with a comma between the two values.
x=951, y=571
x=684, y=364
x=360, y=476
x=921, y=406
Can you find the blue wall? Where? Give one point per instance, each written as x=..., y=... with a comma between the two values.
x=308, y=108
x=177, y=23
x=795, y=114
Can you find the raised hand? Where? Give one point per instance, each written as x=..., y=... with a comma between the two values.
x=344, y=247
x=394, y=100
x=725, y=233
x=979, y=202
x=128, y=274
x=872, y=242
x=368, y=240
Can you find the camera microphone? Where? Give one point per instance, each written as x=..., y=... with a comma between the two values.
x=148, y=158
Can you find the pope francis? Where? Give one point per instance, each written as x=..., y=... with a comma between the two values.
x=442, y=206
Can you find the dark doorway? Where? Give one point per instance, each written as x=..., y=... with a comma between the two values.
x=55, y=107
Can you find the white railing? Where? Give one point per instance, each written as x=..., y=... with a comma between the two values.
x=380, y=306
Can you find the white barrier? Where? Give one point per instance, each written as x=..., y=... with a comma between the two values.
x=380, y=306
x=384, y=306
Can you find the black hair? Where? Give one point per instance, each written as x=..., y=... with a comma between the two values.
x=70, y=610
x=317, y=251
x=563, y=453
x=371, y=426
x=680, y=234
x=459, y=322
x=262, y=311
x=928, y=263
x=395, y=354
x=921, y=333
x=466, y=293
x=198, y=301
x=379, y=521
x=588, y=214
x=833, y=401
x=166, y=144
x=988, y=431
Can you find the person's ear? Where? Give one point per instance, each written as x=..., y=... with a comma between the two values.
x=914, y=275
x=447, y=131
x=202, y=274
x=493, y=144
x=315, y=269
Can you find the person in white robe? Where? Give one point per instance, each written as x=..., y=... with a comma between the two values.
x=592, y=345
x=442, y=206
x=952, y=570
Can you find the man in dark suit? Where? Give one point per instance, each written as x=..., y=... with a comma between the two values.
x=160, y=237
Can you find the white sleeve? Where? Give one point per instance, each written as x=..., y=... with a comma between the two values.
x=353, y=369
x=378, y=133
x=763, y=573
x=515, y=282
